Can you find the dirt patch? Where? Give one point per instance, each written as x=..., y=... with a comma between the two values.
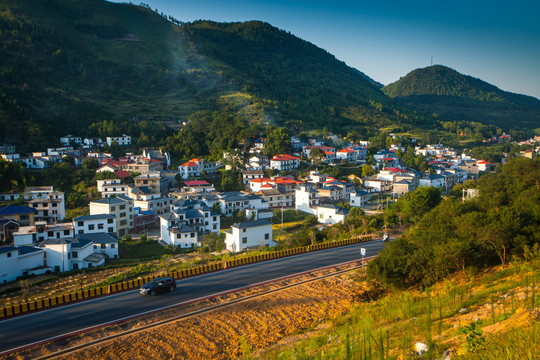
x=228, y=332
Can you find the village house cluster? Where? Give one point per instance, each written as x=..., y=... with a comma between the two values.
x=39, y=239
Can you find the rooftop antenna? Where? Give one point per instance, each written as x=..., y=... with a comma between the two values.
x=431, y=60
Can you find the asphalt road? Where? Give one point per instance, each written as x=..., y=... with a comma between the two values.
x=40, y=326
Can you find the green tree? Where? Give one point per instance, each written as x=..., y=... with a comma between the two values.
x=278, y=141
x=317, y=156
x=367, y=170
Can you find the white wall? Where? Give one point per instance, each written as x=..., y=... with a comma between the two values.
x=253, y=237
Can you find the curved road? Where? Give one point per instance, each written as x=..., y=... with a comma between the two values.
x=33, y=328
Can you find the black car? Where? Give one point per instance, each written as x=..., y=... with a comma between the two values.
x=158, y=285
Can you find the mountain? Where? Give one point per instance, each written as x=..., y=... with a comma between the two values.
x=94, y=68
x=439, y=89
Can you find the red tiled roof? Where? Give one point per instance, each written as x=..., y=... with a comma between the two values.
x=196, y=183
x=347, y=150
x=394, y=169
x=121, y=174
x=267, y=186
x=261, y=180
x=189, y=164
x=113, y=162
x=284, y=157
x=322, y=147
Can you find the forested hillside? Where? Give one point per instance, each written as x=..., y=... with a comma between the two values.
x=65, y=65
x=502, y=222
x=452, y=95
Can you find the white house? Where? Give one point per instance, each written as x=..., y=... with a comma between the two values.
x=48, y=203
x=98, y=223
x=103, y=243
x=194, y=168
x=306, y=199
x=20, y=261
x=41, y=231
x=248, y=175
x=434, y=180
x=182, y=235
x=121, y=207
x=70, y=139
x=347, y=154
x=71, y=254
x=249, y=234
x=119, y=140
x=284, y=162
x=359, y=198
x=111, y=187
x=331, y=214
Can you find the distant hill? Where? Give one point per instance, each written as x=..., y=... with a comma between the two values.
x=439, y=89
x=65, y=65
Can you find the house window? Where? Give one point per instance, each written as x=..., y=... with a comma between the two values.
x=113, y=209
x=123, y=214
x=109, y=221
x=111, y=230
x=50, y=233
x=100, y=226
x=122, y=207
x=81, y=231
x=103, y=246
x=75, y=254
x=91, y=227
x=266, y=236
x=95, y=247
x=75, y=266
x=244, y=240
x=192, y=235
x=215, y=227
x=113, y=246
x=8, y=254
x=66, y=232
x=243, y=230
x=80, y=223
x=215, y=218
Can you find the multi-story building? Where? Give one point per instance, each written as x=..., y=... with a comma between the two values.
x=306, y=198
x=99, y=223
x=146, y=199
x=248, y=235
x=277, y=199
x=118, y=140
x=284, y=162
x=195, y=167
x=111, y=188
x=50, y=207
x=187, y=223
x=153, y=181
x=121, y=207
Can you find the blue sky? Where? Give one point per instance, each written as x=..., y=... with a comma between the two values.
x=496, y=41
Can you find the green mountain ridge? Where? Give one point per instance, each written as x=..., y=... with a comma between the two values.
x=66, y=65
x=95, y=68
x=445, y=91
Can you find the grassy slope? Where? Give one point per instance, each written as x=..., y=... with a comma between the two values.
x=500, y=299
x=461, y=97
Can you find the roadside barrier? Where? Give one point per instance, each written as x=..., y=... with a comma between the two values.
x=24, y=307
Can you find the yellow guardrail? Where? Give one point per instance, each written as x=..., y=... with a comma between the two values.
x=24, y=307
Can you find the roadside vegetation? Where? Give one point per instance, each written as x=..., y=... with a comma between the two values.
x=488, y=315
